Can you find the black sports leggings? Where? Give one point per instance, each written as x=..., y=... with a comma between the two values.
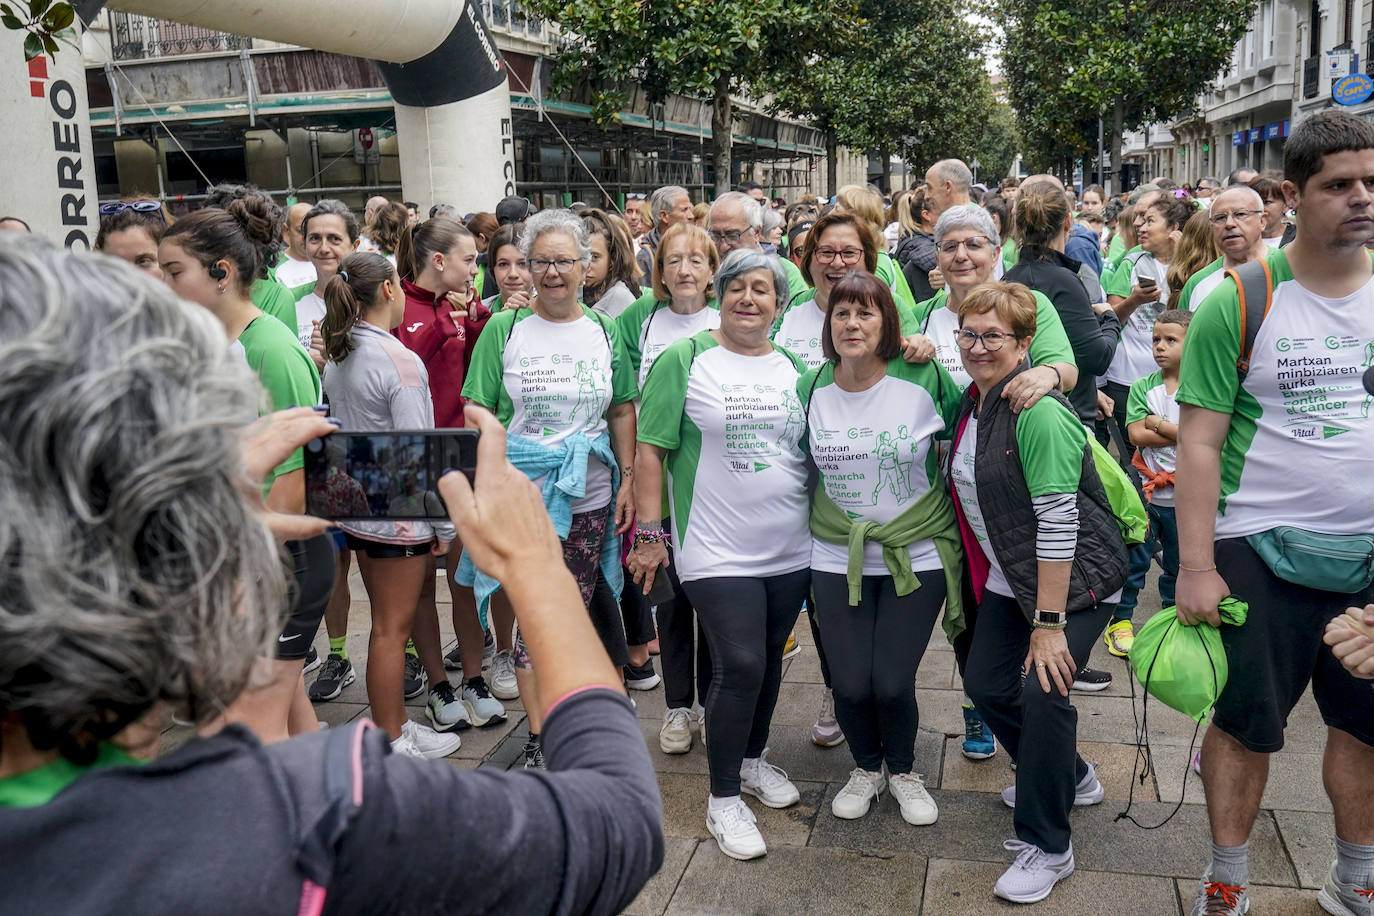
x=875, y=648
x=746, y=622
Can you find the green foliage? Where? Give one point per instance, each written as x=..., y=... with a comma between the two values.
x=45, y=24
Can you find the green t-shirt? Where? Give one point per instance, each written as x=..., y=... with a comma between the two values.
x=1200, y=285
x=276, y=300
x=1120, y=284
x=936, y=320
x=286, y=372
x=1116, y=250
x=649, y=325
x=1009, y=254
x=40, y=786
x=889, y=273
x=796, y=283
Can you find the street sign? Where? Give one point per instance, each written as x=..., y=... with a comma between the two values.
x=1352, y=89
x=1340, y=63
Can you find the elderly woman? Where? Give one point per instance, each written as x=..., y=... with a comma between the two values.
x=556, y=375
x=1042, y=600
x=721, y=408
x=155, y=407
x=878, y=590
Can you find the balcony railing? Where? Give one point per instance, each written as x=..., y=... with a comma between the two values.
x=1311, y=76
x=135, y=37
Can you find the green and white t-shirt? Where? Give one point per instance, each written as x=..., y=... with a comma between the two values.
x=546, y=380
x=732, y=426
x=271, y=351
x=1050, y=438
x=1301, y=434
x=649, y=325
x=292, y=273
x=936, y=320
x=874, y=451
x=1200, y=285
x=309, y=308
x=799, y=331
x=1149, y=396
x=1134, y=357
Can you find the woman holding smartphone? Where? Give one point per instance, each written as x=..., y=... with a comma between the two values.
x=375, y=383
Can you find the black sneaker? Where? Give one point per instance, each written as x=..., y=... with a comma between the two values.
x=312, y=661
x=336, y=673
x=534, y=755
x=1092, y=680
x=453, y=661
x=642, y=677
x=415, y=677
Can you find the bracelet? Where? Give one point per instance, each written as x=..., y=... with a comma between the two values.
x=1159, y=425
x=1058, y=379
x=1202, y=569
x=1049, y=626
x=645, y=534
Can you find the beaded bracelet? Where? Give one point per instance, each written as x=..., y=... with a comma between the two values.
x=650, y=536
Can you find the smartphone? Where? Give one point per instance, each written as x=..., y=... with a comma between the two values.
x=1146, y=282
x=392, y=475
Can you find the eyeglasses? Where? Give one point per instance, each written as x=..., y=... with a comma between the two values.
x=635, y=196
x=846, y=255
x=729, y=237
x=992, y=340
x=539, y=266
x=138, y=206
x=976, y=243
x=1218, y=217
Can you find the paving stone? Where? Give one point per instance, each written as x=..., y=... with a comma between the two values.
x=835, y=882
x=337, y=713
x=684, y=811
x=1264, y=900
x=653, y=899
x=954, y=888
x=1310, y=840
x=803, y=668
x=1114, y=764
x=693, y=762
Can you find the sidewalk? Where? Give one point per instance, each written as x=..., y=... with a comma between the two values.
x=880, y=864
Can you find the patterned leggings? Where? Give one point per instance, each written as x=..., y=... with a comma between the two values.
x=582, y=554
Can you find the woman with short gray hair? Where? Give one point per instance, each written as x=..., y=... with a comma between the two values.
x=557, y=376
x=721, y=407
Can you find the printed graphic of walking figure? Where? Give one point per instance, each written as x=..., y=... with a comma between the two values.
x=590, y=390
x=892, y=471
x=796, y=419
x=1368, y=355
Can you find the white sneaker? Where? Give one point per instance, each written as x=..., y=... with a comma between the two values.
x=858, y=794
x=1088, y=791
x=504, y=686
x=675, y=737
x=422, y=741
x=917, y=806
x=699, y=716
x=767, y=783
x=734, y=830
x=483, y=708
x=1032, y=876
x=826, y=732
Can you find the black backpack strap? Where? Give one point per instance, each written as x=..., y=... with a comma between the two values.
x=1255, y=288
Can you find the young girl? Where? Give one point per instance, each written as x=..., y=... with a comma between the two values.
x=610, y=287
x=507, y=266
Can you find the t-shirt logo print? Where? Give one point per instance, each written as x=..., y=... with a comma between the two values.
x=591, y=389
x=795, y=427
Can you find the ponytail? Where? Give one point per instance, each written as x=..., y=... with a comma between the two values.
x=438, y=233
x=352, y=291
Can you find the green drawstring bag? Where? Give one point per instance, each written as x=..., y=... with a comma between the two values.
x=1181, y=666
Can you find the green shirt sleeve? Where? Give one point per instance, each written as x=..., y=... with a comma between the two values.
x=901, y=290
x=915, y=319
x=631, y=322
x=1121, y=279
x=796, y=283
x=288, y=375
x=623, y=385
x=483, y=383
x=1207, y=374
x=1185, y=298
x=664, y=398
x=1050, y=344
x=1137, y=408
x=275, y=300
x=1051, y=440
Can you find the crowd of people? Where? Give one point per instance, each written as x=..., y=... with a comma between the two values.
x=991, y=409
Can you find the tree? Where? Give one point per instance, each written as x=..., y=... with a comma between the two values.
x=710, y=48
x=1069, y=62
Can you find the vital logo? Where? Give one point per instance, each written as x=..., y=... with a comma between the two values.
x=852, y=514
x=548, y=431
x=1331, y=432
x=761, y=466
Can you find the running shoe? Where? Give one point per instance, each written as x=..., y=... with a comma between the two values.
x=826, y=731
x=483, y=708
x=453, y=661
x=1197, y=762
x=422, y=741
x=978, y=743
x=1034, y=873
x=1216, y=899
x=1089, y=791
x=790, y=648
x=1120, y=636
x=768, y=783
x=336, y=673
x=504, y=686
x=735, y=831
x=445, y=710
x=675, y=737
x=312, y=661
x=916, y=805
x=534, y=755
x=1341, y=899
x=641, y=677
x=1092, y=680
x=858, y=795
x=488, y=647
x=416, y=678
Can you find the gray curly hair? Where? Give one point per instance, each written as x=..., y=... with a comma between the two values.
x=133, y=571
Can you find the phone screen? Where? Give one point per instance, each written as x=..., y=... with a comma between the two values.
x=384, y=475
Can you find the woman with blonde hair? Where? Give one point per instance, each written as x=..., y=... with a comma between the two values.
x=610, y=286
x=1197, y=247
x=868, y=206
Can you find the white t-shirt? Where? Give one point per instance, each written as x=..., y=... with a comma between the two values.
x=873, y=449
x=732, y=426
x=1149, y=396
x=966, y=487
x=1134, y=357
x=1275, y=241
x=940, y=329
x=292, y=273
x=800, y=331
x=665, y=326
x=309, y=307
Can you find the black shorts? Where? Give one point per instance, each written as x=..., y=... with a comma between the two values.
x=313, y=565
x=378, y=550
x=1279, y=650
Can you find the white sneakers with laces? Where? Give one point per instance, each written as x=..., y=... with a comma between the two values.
x=422, y=741
x=503, y=683
x=1034, y=873
x=916, y=805
x=733, y=827
x=858, y=795
x=675, y=737
x=768, y=783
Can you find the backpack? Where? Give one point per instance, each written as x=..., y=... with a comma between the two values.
x=1255, y=287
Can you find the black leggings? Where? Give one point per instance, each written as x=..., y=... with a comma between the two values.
x=876, y=648
x=312, y=563
x=1048, y=765
x=746, y=622
x=683, y=653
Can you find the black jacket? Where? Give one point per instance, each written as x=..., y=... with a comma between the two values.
x=916, y=256
x=1093, y=337
x=1099, y=560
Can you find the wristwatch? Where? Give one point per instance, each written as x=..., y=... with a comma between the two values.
x=1050, y=620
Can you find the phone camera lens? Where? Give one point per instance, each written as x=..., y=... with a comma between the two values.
x=315, y=445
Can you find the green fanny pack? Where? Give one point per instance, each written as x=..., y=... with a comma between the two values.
x=1341, y=563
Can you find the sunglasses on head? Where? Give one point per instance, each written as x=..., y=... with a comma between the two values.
x=139, y=206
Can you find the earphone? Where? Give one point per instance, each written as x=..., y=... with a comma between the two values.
x=217, y=272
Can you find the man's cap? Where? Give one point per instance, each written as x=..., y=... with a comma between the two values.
x=513, y=210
